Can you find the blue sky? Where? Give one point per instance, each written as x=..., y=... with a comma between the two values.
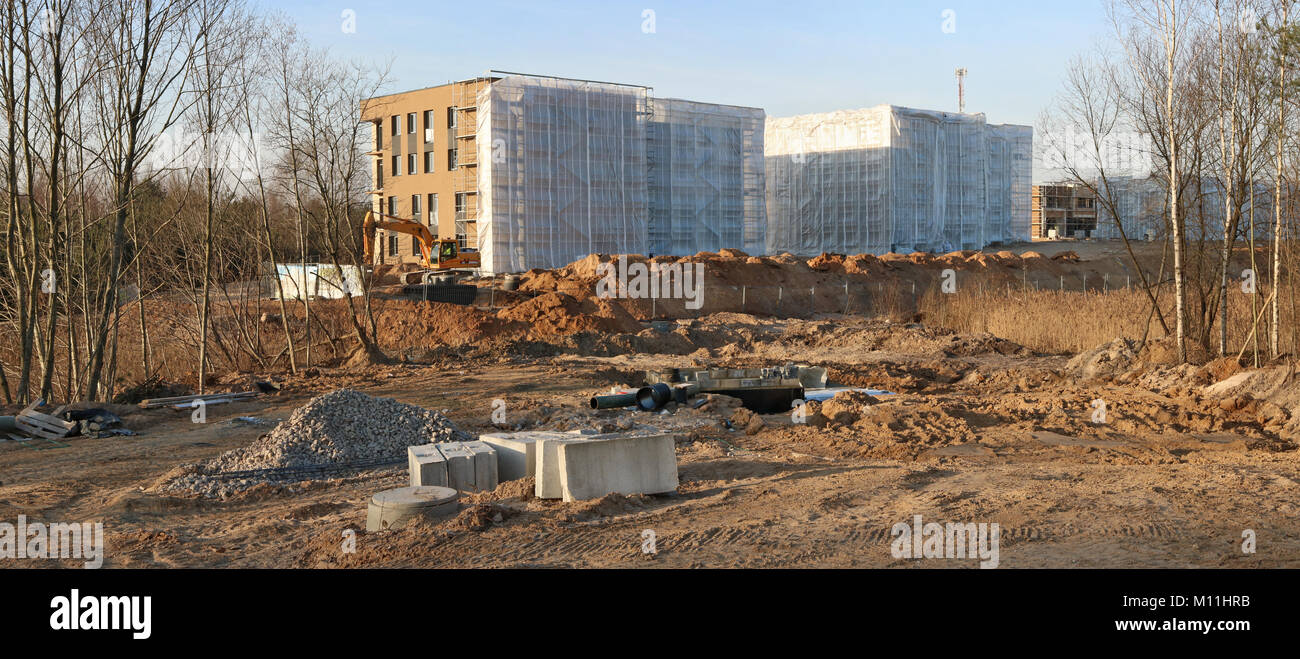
x=785, y=57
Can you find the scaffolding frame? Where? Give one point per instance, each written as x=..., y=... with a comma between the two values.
x=562, y=167
x=895, y=179
x=705, y=176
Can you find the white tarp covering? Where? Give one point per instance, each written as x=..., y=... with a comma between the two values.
x=705, y=164
x=895, y=179
x=562, y=171
x=315, y=280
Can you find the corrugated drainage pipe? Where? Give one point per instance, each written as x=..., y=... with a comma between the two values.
x=654, y=396
x=613, y=401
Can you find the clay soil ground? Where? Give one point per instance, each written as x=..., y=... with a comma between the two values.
x=981, y=431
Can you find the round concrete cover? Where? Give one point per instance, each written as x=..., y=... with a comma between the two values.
x=393, y=508
x=416, y=497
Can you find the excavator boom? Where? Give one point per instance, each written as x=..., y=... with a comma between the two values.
x=435, y=253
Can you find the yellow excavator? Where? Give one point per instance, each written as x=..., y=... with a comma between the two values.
x=437, y=254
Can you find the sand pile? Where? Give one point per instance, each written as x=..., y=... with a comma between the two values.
x=1108, y=360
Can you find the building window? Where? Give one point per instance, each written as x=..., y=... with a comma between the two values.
x=415, y=207
x=410, y=123
x=415, y=246
x=397, y=166
x=379, y=136
x=451, y=159
x=379, y=174
x=392, y=206
x=451, y=117
x=393, y=124
x=410, y=163
x=392, y=244
x=428, y=126
x=433, y=211
x=428, y=161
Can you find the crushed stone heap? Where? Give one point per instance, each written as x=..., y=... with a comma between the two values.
x=341, y=427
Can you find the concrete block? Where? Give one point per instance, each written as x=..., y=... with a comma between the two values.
x=590, y=468
x=426, y=466
x=485, y=465
x=549, y=483
x=517, y=451
x=460, y=466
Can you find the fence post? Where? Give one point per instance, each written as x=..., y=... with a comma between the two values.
x=812, y=300
x=846, y=297
x=743, y=289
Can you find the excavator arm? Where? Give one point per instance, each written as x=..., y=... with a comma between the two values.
x=435, y=254
x=375, y=221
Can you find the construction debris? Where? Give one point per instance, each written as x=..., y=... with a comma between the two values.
x=181, y=402
x=762, y=390
x=44, y=426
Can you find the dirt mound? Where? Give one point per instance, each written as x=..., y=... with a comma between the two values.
x=154, y=387
x=1108, y=360
x=480, y=516
x=844, y=409
x=607, y=506
x=406, y=324
x=559, y=313
x=1068, y=256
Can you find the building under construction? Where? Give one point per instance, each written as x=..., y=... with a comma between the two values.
x=544, y=171
x=1063, y=210
x=894, y=179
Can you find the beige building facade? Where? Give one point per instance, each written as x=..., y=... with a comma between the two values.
x=425, y=164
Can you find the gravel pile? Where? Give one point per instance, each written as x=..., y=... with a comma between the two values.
x=342, y=427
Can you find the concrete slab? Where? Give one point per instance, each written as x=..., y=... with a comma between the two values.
x=590, y=468
x=485, y=465
x=517, y=451
x=426, y=466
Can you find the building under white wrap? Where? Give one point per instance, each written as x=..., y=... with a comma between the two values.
x=705, y=163
x=562, y=171
x=890, y=178
x=569, y=168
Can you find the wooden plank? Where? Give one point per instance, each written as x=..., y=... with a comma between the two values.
x=46, y=419
x=37, y=431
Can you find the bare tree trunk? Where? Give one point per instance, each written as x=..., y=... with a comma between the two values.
x=1171, y=43
x=1274, y=348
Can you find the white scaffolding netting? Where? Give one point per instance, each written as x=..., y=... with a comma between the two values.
x=705, y=165
x=562, y=171
x=895, y=179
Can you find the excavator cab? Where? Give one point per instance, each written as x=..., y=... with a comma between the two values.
x=446, y=251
